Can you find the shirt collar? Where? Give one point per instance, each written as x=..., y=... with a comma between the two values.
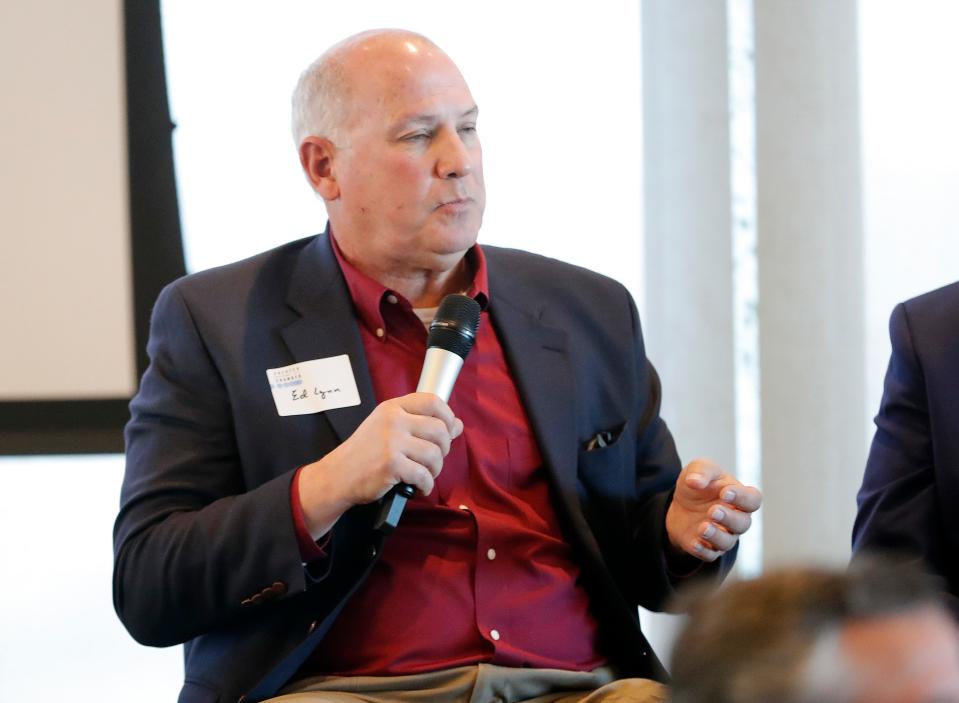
x=369, y=294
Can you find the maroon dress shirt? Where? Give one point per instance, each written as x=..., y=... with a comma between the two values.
x=477, y=571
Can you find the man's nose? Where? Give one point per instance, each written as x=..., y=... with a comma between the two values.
x=455, y=159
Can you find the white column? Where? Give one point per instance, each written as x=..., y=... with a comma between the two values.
x=688, y=321
x=810, y=276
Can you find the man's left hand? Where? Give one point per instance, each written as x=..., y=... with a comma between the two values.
x=709, y=511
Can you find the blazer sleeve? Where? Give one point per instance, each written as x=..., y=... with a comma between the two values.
x=898, y=508
x=195, y=547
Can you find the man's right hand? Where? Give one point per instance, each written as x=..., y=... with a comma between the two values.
x=404, y=440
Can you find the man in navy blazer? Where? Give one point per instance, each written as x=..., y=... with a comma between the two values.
x=206, y=548
x=910, y=491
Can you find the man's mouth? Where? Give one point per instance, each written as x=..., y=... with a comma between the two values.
x=454, y=204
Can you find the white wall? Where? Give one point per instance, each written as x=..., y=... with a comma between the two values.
x=910, y=113
x=558, y=88
x=59, y=637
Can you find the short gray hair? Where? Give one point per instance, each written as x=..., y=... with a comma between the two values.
x=320, y=99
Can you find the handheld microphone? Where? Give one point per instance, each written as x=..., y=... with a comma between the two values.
x=451, y=336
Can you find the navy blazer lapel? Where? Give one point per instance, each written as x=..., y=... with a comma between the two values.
x=327, y=327
x=540, y=365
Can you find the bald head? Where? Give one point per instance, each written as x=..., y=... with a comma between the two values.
x=386, y=130
x=323, y=95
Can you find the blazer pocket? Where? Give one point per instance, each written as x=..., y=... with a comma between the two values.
x=604, y=439
x=602, y=460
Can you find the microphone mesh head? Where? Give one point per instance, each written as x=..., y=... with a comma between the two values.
x=454, y=327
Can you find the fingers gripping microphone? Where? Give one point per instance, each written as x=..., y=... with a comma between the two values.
x=451, y=336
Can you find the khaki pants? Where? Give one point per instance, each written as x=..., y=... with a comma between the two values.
x=481, y=683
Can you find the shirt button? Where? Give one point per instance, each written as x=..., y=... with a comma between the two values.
x=491, y=554
x=392, y=299
x=380, y=332
x=464, y=507
x=494, y=634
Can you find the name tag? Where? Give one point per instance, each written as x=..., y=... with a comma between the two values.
x=314, y=386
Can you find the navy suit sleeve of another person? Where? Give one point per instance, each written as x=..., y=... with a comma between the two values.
x=909, y=500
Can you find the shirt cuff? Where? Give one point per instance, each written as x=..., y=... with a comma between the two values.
x=310, y=550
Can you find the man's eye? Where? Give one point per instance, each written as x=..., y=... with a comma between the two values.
x=469, y=128
x=416, y=136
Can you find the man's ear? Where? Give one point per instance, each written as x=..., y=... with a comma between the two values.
x=316, y=158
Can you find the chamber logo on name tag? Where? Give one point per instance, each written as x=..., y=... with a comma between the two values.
x=314, y=386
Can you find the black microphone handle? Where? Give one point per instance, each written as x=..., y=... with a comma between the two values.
x=392, y=508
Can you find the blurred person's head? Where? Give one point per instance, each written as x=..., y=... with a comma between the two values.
x=876, y=633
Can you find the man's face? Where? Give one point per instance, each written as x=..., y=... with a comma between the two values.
x=410, y=172
x=907, y=658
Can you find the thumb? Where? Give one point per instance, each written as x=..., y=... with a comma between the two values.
x=699, y=473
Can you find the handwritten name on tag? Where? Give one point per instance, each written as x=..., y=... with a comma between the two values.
x=314, y=386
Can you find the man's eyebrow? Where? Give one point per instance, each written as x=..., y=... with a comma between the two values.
x=428, y=118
